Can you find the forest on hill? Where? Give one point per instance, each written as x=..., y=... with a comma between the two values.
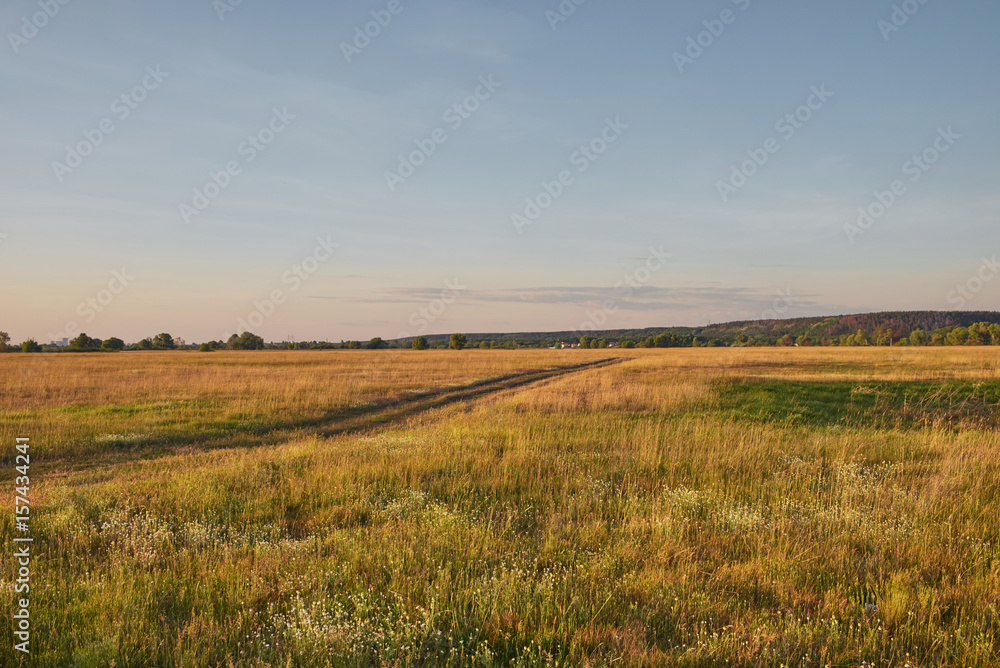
x=883, y=328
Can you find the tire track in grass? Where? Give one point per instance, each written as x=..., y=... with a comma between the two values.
x=397, y=410
x=378, y=415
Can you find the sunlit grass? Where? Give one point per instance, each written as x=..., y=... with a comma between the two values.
x=647, y=513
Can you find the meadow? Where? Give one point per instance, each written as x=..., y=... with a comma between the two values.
x=800, y=507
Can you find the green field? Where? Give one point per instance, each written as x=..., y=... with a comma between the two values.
x=679, y=507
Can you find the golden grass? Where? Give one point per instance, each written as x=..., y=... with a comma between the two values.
x=618, y=515
x=89, y=403
x=315, y=379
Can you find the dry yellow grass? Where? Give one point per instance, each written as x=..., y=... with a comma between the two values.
x=79, y=403
x=318, y=379
x=682, y=508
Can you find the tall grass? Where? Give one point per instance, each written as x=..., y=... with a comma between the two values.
x=621, y=515
x=93, y=404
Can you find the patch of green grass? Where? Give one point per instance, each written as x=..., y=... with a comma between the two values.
x=880, y=404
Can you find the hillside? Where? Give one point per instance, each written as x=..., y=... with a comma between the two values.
x=901, y=323
x=765, y=331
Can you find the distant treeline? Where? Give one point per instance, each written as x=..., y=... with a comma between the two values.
x=910, y=328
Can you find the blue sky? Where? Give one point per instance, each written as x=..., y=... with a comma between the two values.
x=344, y=125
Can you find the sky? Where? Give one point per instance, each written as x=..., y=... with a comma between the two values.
x=332, y=171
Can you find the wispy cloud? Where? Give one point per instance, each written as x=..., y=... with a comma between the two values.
x=646, y=298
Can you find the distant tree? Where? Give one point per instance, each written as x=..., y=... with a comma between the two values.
x=882, y=336
x=585, y=341
x=600, y=343
x=250, y=341
x=376, y=344
x=994, y=334
x=245, y=341
x=145, y=344
x=786, y=340
x=419, y=343
x=84, y=342
x=937, y=339
x=984, y=333
x=958, y=336
x=860, y=338
x=672, y=340
x=4, y=340
x=628, y=344
x=803, y=341
x=458, y=341
x=113, y=343
x=918, y=337
x=164, y=341
x=206, y=348
x=484, y=345
x=30, y=346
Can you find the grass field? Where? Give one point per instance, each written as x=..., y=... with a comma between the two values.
x=679, y=507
